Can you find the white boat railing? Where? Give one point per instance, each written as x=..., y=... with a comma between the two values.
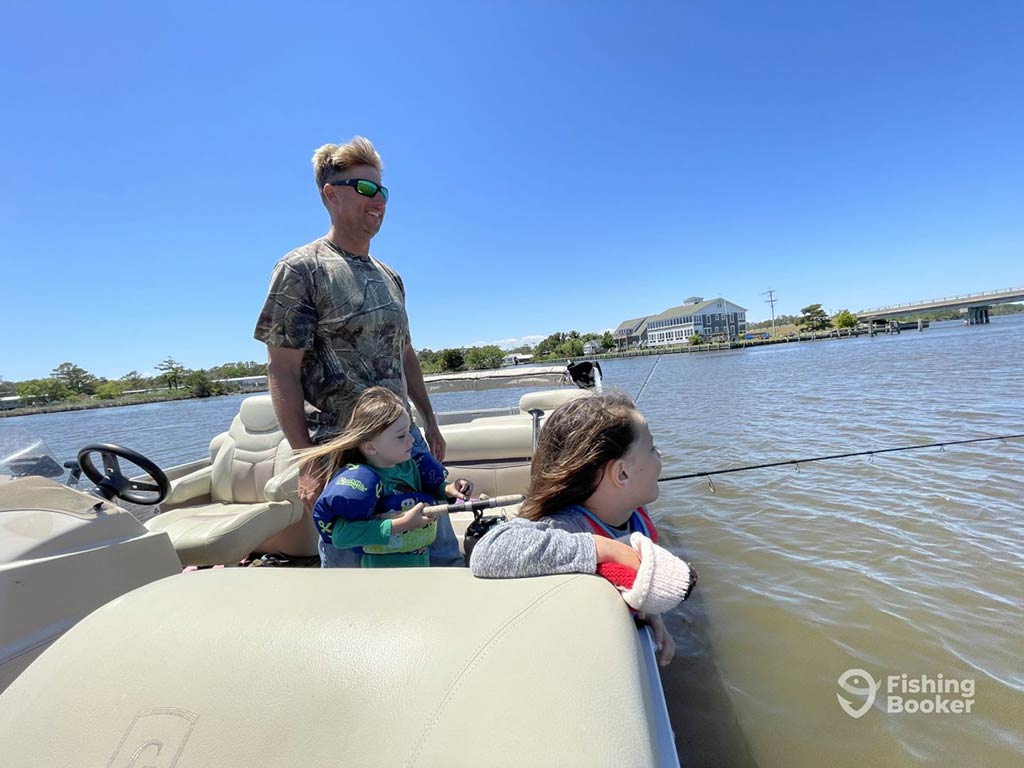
x=499, y=378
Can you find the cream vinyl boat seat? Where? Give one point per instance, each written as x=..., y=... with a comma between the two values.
x=495, y=451
x=222, y=512
x=390, y=667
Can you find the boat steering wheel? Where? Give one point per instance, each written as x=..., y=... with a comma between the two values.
x=112, y=483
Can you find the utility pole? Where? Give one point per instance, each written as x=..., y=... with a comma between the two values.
x=771, y=300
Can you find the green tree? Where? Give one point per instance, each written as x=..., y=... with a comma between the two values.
x=480, y=358
x=237, y=370
x=200, y=385
x=428, y=360
x=844, y=318
x=696, y=339
x=571, y=347
x=132, y=380
x=172, y=372
x=607, y=341
x=75, y=378
x=550, y=345
x=7, y=387
x=45, y=390
x=108, y=390
x=813, y=317
x=451, y=359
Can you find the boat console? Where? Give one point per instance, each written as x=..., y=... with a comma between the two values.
x=64, y=553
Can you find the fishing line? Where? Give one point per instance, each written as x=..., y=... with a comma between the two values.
x=798, y=462
x=649, y=374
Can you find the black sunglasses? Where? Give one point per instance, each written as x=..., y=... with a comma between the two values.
x=364, y=187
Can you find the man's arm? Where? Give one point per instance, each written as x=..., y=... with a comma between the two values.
x=419, y=397
x=284, y=377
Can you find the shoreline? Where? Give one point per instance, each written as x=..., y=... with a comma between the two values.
x=676, y=349
x=36, y=410
x=64, y=407
x=722, y=346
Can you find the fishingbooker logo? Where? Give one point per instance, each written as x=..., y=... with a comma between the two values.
x=860, y=683
x=907, y=694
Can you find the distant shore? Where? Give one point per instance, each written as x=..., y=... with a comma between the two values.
x=718, y=346
x=184, y=394
x=88, y=405
x=678, y=349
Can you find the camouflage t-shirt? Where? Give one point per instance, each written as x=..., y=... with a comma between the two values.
x=348, y=314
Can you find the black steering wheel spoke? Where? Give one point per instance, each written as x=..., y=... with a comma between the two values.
x=111, y=482
x=111, y=466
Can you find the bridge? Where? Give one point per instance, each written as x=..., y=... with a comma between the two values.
x=976, y=304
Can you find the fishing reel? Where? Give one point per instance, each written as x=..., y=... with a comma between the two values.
x=478, y=529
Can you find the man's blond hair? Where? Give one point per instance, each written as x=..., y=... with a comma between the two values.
x=331, y=160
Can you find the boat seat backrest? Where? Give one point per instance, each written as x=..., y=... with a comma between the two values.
x=434, y=649
x=253, y=450
x=549, y=399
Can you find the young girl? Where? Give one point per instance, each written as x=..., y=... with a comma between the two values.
x=594, y=468
x=374, y=501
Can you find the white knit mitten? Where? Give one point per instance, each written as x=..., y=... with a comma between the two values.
x=662, y=582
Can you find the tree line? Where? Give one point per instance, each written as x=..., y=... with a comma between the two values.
x=812, y=318
x=70, y=381
x=558, y=346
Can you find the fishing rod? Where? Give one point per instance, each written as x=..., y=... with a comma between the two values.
x=649, y=374
x=798, y=462
x=477, y=505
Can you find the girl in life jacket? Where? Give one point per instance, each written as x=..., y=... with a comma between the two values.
x=594, y=469
x=375, y=498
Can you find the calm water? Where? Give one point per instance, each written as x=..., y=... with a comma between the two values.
x=911, y=563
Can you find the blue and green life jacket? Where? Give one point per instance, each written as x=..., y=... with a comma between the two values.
x=357, y=492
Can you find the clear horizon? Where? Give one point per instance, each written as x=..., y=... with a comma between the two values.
x=553, y=167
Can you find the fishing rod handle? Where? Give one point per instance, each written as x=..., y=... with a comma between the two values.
x=474, y=506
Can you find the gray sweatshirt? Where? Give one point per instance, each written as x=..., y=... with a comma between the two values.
x=560, y=543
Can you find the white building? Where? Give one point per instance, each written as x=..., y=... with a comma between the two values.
x=715, y=319
x=245, y=383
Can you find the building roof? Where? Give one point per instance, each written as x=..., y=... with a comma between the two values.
x=627, y=327
x=686, y=310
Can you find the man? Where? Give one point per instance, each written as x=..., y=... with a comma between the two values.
x=334, y=323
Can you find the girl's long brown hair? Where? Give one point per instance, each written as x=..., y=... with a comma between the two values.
x=376, y=409
x=578, y=440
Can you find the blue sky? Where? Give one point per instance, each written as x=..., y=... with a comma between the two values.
x=553, y=165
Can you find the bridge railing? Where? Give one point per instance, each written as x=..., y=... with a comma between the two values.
x=947, y=299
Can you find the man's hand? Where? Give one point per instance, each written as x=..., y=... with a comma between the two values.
x=435, y=441
x=311, y=485
x=461, y=489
